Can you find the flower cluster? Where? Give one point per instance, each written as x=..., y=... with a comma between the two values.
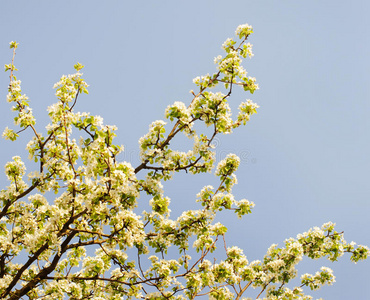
x=243, y=30
x=74, y=228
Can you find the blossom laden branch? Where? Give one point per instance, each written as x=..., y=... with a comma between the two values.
x=78, y=243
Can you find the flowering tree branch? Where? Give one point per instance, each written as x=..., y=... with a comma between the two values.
x=69, y=230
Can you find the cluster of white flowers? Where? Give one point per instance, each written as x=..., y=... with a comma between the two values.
x=247, y=50
x=179, y=111
x=231, y=64
x=68, y=87
x=94, y=265
x=244, y=30
x=15, y=169
x=213, y=109
x=47, y=242
x=246, y=109
x=9, y=134
x=324, y=276
x=206, y=81
x=150, y=143
x=24, y=117
x=14, y=94
x=228, y=44
x=228, y=165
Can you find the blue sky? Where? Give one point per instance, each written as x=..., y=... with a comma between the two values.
x=305, y=155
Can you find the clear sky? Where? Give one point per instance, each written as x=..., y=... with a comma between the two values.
x=305, y=155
